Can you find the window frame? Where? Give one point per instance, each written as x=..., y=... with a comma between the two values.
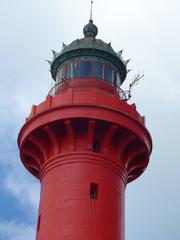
x=68, y=70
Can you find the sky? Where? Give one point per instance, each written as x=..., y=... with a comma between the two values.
x=149, y=33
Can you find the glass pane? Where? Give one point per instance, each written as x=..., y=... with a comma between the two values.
x=71, y=70
x=115, y=78
x=62, y=75
x=75, y=70
x=118, y=80
x=108, y=73
x=97, y=70
x=66, y=72
x=85, y=69
x=59, y=76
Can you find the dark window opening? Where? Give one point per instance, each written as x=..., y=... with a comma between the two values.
x=39, y=223
x=93, y=191
x=95, y=147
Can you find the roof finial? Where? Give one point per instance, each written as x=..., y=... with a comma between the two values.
x=91, y=10
x=90, y=29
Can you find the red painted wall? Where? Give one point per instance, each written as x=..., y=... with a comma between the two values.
x=84, y=134
x=66, y=210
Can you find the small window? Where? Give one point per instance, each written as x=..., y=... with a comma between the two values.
x=85, y=69
x=108, y=73
x=95, y=147
x=93, y=191
x=97, y=70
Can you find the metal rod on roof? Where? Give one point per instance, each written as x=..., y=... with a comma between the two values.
x=91, y=10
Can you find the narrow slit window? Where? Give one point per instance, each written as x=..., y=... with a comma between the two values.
x=93, y=191
x=95, y=147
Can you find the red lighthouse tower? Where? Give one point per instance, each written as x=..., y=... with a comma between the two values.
x=84, y=143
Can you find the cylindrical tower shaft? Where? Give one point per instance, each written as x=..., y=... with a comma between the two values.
x=85, y=202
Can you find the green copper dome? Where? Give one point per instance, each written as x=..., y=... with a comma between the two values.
x=88, y=43
x=88, y=46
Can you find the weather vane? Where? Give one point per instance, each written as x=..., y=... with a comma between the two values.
x=91, y=9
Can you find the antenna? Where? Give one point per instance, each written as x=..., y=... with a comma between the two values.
x=91, y=10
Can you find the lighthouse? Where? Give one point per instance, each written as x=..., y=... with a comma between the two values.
x=84, y=143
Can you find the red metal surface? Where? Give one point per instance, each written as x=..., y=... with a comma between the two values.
x=84, y=144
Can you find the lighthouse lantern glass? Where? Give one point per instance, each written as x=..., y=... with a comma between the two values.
x=88, y=68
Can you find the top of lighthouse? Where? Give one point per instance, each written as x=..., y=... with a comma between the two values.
x=90, y=30
x=89, y=57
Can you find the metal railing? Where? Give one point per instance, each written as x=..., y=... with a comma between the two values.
x=64, y=85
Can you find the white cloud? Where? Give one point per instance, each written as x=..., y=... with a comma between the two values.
x=21, y=186
x=14, y=231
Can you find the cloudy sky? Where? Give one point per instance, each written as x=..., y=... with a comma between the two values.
x=149, y=33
